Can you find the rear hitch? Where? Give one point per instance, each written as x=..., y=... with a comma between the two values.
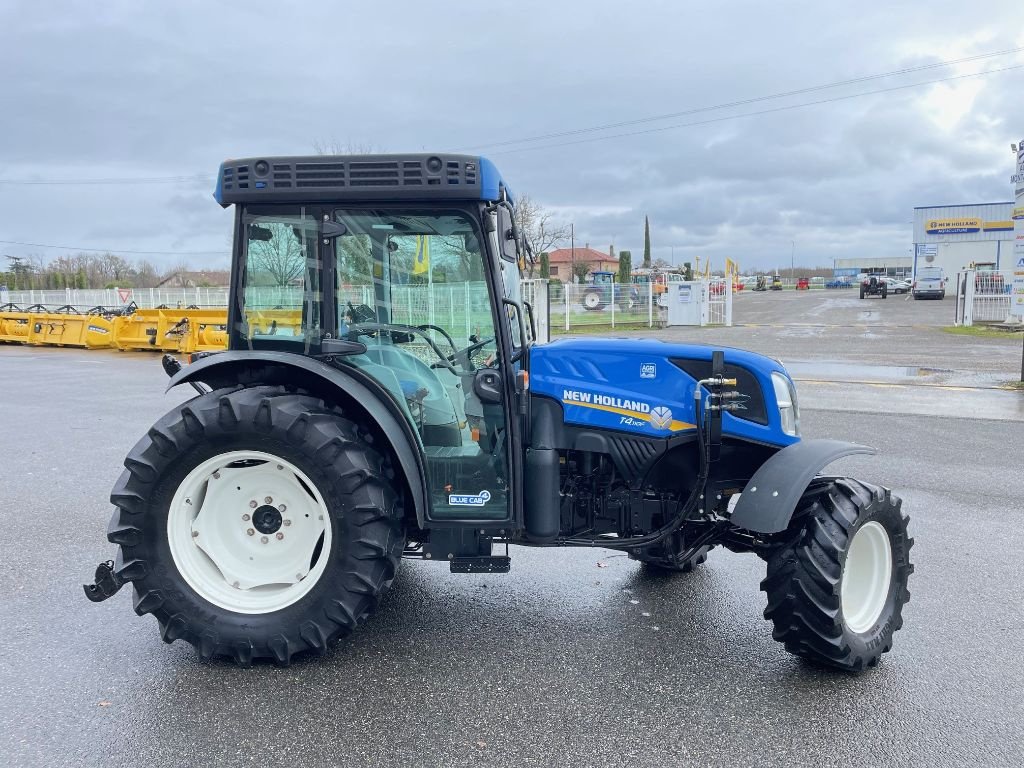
x=107, y=583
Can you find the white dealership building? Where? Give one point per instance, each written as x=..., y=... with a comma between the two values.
x=957, y=237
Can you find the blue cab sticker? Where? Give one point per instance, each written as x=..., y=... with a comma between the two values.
x=469, y=499
x=648, y=370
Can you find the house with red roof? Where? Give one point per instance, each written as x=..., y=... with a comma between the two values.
x=561, y=260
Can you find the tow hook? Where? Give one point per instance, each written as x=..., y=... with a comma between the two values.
x=107, y=583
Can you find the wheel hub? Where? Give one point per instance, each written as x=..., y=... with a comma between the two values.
x=249, y=531
x=267, y=519
x=866, y=577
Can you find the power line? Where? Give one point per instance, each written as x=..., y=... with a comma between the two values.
x=756, y=113
x=135, y=180
x=744, y=102
x=117, y=250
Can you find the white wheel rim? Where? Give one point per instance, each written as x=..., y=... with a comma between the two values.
x=240, y=551
x=591, y=300
x=866, y=577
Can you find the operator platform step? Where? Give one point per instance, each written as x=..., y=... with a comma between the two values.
x=482, y=564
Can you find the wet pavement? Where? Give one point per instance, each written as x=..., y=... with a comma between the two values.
x=575, y=657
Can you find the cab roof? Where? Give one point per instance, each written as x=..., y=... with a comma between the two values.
x=341, y=178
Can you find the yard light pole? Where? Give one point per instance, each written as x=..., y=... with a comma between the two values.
x=792, y=259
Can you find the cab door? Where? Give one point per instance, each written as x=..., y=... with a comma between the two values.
x=415, y=287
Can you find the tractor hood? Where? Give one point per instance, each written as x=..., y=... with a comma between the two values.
x=646, y=386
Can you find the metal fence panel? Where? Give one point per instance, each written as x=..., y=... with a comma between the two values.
x=983, y=296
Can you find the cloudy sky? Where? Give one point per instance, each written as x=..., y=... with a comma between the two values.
x=160, y=93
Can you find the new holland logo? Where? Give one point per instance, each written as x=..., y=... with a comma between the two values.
x=661, y=417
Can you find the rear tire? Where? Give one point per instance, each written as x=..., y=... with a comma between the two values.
x=272, y=444
x=862, y=291
x=836, y=591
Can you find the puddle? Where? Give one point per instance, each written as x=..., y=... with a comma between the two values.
x=831, y=371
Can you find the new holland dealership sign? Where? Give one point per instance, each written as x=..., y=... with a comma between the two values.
x=952, y=226
x=965, y=226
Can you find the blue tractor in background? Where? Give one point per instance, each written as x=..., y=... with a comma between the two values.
x=604, y=291
x=384, y=398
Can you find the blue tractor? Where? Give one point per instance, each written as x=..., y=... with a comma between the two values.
x=384, y=398
x=604, y=291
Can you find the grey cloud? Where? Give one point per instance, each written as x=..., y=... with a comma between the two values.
x=125, y=89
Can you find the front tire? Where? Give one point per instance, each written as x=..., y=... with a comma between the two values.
x=836, y=591
x=232, y=573
x=592, y=301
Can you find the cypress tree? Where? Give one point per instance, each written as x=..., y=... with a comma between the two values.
x=625, y=267
x=647, y=243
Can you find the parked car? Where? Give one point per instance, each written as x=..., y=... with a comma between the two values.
x=897, y=286
x=803, y=284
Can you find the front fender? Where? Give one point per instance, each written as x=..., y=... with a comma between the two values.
x=771, y=495
x=354, y=388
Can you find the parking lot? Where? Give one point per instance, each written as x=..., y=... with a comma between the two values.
x=575, y=657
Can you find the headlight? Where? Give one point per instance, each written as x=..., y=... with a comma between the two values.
x=785, y=396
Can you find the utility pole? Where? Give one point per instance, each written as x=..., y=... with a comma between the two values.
x=572, y=242
x=792, y=259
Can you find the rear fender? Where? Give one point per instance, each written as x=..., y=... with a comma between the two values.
x=350, y=388
x=770, y=497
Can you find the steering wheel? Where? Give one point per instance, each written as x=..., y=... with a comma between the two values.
x=465, y=356
x=363, y=329
x=443, y=332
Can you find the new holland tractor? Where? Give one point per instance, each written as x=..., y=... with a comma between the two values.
x=384, y=398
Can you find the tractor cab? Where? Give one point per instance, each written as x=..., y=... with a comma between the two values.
x=404, y=271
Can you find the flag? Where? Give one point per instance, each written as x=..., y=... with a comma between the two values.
x=422, y=264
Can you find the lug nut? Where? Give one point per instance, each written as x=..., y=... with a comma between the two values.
x=252, y=504
x=268, y=499
x=282, y=508
x=194, y=534
x=251, y=532
x=287, y=522
x=245, y=517
x=216, y=475
x=264, y=539
x=280, y=535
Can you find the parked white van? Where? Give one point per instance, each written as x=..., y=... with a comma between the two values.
x=929, y=282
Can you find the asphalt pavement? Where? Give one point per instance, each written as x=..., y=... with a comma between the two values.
x=575, y=657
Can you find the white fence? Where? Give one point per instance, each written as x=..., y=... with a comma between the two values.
x=557, y=307
x=983, y=296
x=86, y=298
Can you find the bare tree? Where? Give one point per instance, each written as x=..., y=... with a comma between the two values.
x=145, y=274
x=539, y=230
x=281, y=256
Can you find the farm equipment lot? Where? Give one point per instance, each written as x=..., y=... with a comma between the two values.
x=570, y=659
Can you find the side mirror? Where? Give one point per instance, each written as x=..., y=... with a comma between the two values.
x=487, y=385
